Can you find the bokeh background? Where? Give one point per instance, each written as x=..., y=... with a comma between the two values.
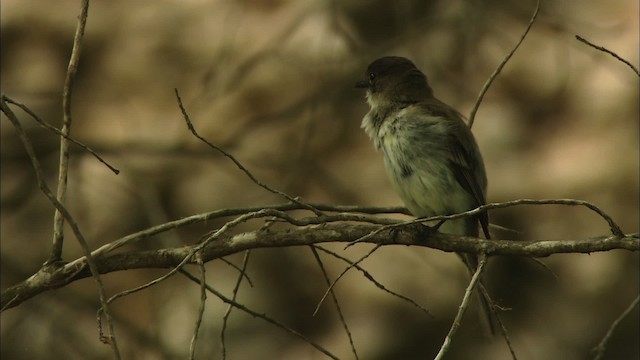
x=272, y=82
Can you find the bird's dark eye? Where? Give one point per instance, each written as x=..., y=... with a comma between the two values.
x=372, y=77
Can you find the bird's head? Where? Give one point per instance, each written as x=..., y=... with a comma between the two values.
x=394, y=80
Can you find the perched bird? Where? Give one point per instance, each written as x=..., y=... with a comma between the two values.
x=430, y=154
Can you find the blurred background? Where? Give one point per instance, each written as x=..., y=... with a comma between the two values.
x=272, y=83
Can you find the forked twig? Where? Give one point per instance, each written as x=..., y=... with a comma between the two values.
x=352, y=265
x=190, y=254
x=261, y=316
x=239, y=269
x=111, y=339
x=335, y=300
x=374, y=281
x=236, y=288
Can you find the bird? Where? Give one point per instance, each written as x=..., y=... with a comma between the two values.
x=431, y=157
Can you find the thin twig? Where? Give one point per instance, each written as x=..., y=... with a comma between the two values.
x=236, y=288
x=461, y=310
x=203, y=301
x=324, y=296
x=376, y=282
x=58, y=132
x=111, y=339
x=63, y=166
x=240, y=270
x=495, y=310
x=189, y=255
x=497, y=71
x=335, y=300
x=580, y=38
x=599, y=350
x=261, y=316
x=187, y=119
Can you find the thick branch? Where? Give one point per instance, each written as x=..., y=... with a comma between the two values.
x=342, y=232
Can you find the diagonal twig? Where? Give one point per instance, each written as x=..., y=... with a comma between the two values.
x=335, y=300
x=236, y=288
x=352, y=265
x=497, y=71
x=190, y=254
x=261, y=316
x=603, y=49
x=599, y=350
x=374, y=281
x=203, y=301
x=63, y=166
x=46, y=125
x=462, y=308
x=187, y=119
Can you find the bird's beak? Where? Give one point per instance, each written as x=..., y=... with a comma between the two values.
x=362, y=84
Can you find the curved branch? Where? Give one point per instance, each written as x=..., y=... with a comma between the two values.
x=605, y=50
x=504, y=61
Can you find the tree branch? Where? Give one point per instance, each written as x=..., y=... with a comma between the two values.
x=605, y=50
x=63, y=168
x=340, y=232
x=461, y=309
x=504, y=61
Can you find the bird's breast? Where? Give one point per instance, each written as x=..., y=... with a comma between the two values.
x=419, y=173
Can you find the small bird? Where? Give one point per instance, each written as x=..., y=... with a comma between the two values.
x=430, y=154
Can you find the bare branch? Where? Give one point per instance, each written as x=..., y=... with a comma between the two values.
x=599, y=350
x=63, y=166
x=376, y=282
x=462, y=309
x=194, y=219
x=58, y=132
x=495, y=310
x=203, y=301
x=169, y=258
x=188, y=257
x=236, y=162
x=497, y=71
x=49, y=269
x=335, y=300
x=581, y=39
x=330, y=288
x=242, y=271
x=225, y=318
x=261, y=316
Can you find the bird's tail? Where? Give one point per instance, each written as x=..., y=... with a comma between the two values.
x=471, y=261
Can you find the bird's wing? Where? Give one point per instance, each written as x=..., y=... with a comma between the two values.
x=461, y=149
x=462, y=146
